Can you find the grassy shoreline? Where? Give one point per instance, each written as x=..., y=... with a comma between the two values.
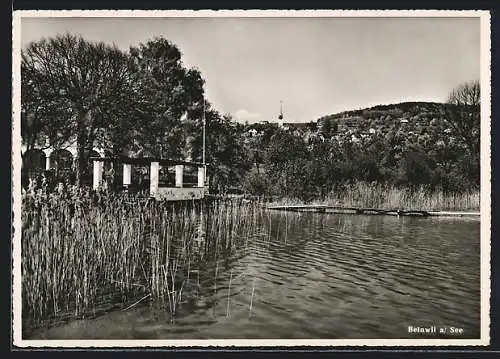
x=78, y=248
x=388, y=197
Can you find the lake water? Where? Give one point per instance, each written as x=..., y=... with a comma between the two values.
x=312, y=276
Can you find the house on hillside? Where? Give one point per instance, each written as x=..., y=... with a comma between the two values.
x=298, y=128
x=349, y=123
x=252, y=132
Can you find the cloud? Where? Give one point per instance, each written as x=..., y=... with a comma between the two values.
x=243, y=115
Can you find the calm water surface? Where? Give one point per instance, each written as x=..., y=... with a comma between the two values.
x=328, y=276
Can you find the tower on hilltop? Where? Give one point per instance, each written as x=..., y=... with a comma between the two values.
x=280, y=117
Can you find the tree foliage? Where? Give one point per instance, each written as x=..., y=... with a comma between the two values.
x=408, y=144
x=96, y=94
x=147, y=102
x=462, y=113
x=165, y=91
x=68, y=82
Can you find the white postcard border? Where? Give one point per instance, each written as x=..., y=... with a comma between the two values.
x=485, y=178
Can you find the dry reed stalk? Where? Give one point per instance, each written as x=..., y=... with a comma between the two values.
x=140, y=300
x=69, y=260
x=251, y=299
x=228, y=293
x=372, y=195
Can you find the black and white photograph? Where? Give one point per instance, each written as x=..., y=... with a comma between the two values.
x=251, y=178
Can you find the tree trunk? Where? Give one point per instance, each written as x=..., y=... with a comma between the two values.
x=83, y=118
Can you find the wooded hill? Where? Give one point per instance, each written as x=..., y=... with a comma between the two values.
x=408, y=144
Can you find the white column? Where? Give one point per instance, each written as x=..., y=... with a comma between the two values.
x=127, y=174
x=97, y=174
x=101, y=167
x=201, y=176
x=153, y=177
x=179, y=174
x=48, y=152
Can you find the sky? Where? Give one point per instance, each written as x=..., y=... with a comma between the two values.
x=315, y=66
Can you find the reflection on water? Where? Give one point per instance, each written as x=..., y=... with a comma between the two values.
x=305, y=275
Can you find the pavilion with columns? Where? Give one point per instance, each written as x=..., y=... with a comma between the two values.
x=183, y=187
x=179, y=191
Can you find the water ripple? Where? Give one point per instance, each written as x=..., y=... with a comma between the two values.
x=325, y=276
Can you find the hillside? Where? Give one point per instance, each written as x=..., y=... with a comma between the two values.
x=391, y=109
x=408, y=144
x=420, y=121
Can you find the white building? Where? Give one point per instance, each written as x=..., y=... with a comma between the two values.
x=44, y=157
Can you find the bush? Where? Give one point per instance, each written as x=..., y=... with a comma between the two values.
x=255, y=184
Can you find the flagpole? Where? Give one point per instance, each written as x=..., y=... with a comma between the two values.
x=204, y=164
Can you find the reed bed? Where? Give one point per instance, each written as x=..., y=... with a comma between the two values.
x=382, y=196
x=82, y=249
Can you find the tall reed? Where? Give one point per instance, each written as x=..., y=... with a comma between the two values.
x=384, y=196
x=81, y=249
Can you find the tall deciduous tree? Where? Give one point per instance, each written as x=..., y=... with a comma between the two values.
x=67, y=83
x=462, y=112
x=166, y=91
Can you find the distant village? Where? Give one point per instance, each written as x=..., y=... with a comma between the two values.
x=416, y=120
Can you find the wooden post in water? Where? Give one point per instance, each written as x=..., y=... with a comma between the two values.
x=153, y=184
x=97, y=174
x=179, y=174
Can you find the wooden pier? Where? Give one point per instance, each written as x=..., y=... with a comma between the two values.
x=370, y=211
